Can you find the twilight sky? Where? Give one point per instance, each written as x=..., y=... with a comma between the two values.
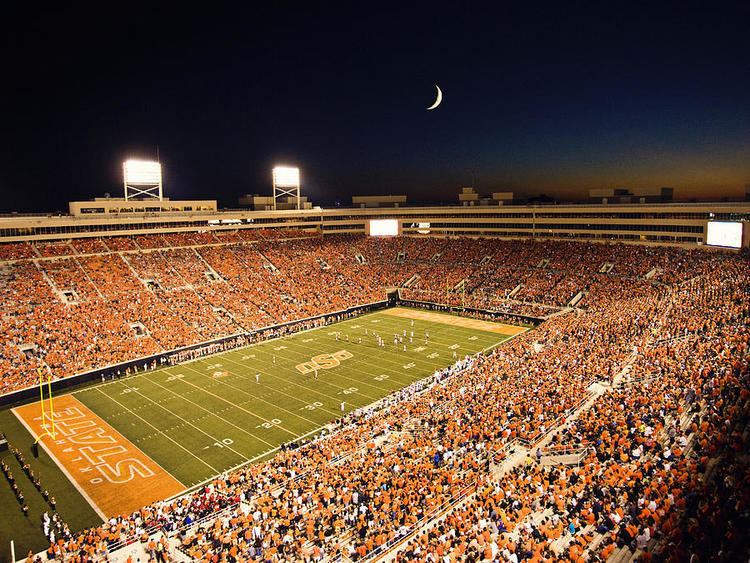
x=551, y=100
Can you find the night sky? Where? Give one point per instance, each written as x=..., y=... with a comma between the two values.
x=552, y=100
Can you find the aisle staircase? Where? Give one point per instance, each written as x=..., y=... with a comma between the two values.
x=573, y=456
x=577, y=298
x=515, y=290
x=55, y=290
x=412, y=281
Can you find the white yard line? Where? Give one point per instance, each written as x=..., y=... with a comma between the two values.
x=159, y=431
x=177, y=416
x=398, y=370
x=352, y=367
x=245, y=463
x=360, y=362
x=306, y=388
x=215, y=414
x=241, y=390
x=232, y=404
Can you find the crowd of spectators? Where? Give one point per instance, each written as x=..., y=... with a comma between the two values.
x=115, y=299
x=650, y=446
x=665, y=331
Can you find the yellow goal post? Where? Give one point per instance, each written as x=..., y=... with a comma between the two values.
x=47, y=405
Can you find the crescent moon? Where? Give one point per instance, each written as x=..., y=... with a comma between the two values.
x=439, y=98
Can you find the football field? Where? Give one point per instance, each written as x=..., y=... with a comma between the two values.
x=128, y=442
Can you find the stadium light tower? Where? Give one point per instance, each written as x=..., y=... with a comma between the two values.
x=142, y=179
x=285, y=183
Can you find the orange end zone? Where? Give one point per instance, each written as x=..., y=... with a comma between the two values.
x=107, y=469
x=465, y=322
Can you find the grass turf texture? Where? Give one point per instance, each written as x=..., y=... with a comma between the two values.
x=204, y=417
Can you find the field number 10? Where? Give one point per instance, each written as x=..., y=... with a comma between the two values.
x=224, y=442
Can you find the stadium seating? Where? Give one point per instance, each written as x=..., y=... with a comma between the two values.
x=646, y=381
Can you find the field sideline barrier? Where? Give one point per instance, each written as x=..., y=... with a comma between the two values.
x=26, y=394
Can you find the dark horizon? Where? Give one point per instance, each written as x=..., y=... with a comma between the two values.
x=556, y=101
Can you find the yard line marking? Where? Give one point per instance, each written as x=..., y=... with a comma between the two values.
x=214, y=413
x=187, y=422
x=274, y=405
x=352, y=366
x=334, y=375
x=251, y=460
x=310, y=389
x=211, y=467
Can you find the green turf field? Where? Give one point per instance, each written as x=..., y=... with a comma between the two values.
x=204, y=417
x=196, y=425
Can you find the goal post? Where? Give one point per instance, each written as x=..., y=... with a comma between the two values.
x=47, y=405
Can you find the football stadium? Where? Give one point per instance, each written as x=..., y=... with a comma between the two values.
x=196, y=385
x=300, y=284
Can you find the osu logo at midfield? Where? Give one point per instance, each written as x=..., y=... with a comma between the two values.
x=324, y=361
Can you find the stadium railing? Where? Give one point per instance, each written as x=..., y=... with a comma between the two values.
x=566, y=449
